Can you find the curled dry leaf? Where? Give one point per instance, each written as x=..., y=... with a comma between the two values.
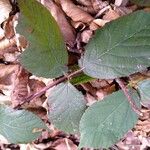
x=88, y=9
x=94, y=26
x=6, y=80
x=1, y=34
x=73, y=11
x=6, y=43
x=99, y=4
x=8, y=27
x=97, y=23
x=85, y=3
x=89, y=88
x=124, y=10
x=121, y=2
x=8, y=50
x=6, y=72
x=90, y=99
x=78, y=25
x=66, y=29
x=86, y=35
x=5, y=9
x=111, y=15
x=64, y=144
x=10, y=57
x=20, y=87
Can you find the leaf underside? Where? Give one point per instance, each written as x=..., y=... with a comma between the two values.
x=67, y=105
x=46, y=55
x=120, y=48
x=18, y=126
x=144, y=89
x=105, y=122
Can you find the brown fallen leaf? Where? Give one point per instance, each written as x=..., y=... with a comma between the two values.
x=103, y=8
x=6, y=75
x=123, y=10
x=90, y=99
x=99, y=4
x=8, y=27
x=11, y=57
x=6, y=43
x=78, y=25
x=85, y=3
x=97, y=23
x=111, y=15
x=20, y=88
x=89, y=88
x=1, y=34
x=94, y=26
x=39, y=111
x=6, y=80
x=64, y=144
x=66, y=29
x=147, y=9
x=5, y=9
x=88, y=9
x=86, y=35
x=74, y=12
x=35, y=86
x=121, y=2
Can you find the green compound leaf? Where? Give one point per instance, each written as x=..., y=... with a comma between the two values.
x=144, y=89
x=46, y=54
x=141, y=2
x=19, y=126
x=120, y=48
x=106, y=121
x=67, y=106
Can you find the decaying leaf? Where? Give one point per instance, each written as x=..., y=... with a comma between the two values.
x=20, y=87
x=35, y=86
x=99, y=4
x=73, y=11
x=9, y=27
x=121, y=2
x=86, y=35
x=5, y=9
x=85, y=3
x=78, y=25
x=6, y=79
x=97, y=23
x=6, y=43
x=6, y=75
x=64, y=144
x=111, y=15
x=66, y=29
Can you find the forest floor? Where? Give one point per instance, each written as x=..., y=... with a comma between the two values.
x=78, y=20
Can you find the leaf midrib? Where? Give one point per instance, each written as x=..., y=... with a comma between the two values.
x=108, y=50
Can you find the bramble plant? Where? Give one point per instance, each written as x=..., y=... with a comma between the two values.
x=119, y=49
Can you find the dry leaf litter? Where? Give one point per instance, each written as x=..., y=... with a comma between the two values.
x=16, y=83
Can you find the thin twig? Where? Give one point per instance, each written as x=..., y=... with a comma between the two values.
x=129, y=98
x=56, y=82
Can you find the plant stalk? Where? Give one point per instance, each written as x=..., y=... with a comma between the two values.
x=56, y=82
x=129, y=98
